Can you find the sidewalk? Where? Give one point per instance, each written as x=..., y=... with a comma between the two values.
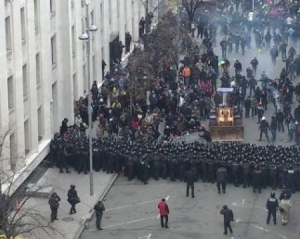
x=70, y=225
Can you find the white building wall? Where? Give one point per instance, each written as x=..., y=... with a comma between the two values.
x=62, y=79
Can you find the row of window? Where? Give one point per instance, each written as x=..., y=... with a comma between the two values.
x=14, y=154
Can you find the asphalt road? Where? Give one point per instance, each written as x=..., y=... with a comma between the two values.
x=131, y=213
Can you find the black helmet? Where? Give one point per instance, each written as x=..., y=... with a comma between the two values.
x=272, y=195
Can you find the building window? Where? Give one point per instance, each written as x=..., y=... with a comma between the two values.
x=84, y=77
x=75, y=87
x=52, y=6
x=23, y=25
x=73, y=42
x=40, y=124
x=25, y=82
x=110, y=11
x=10, y=92
x=13, y=150
x=8, y=34
x=38, y=69
x=36, y=15
x=83, y=25
x=92, y=18
x=101, y=17
x=26, y=137
x=53, y=51
x=118, y=8
x=94, y=67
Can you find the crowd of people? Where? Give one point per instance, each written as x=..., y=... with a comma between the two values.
x=129, y=132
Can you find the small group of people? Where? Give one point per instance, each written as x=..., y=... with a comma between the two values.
x=73, y=199
x=54, y=200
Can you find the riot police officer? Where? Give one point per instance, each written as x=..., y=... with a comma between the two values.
x=272, y=206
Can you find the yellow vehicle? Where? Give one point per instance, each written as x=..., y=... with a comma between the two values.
x=225, y=123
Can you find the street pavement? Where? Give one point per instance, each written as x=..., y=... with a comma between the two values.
x=69, y=226
x=131, y=213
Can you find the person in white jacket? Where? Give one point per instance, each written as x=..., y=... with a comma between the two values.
x=284, y=208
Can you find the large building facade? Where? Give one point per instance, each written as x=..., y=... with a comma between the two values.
x=44, y=69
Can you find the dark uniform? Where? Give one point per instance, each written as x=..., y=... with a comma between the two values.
x=272, y=206
x=190, y=179
x=221, y=176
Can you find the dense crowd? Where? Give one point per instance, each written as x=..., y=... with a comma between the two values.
x=129, y=133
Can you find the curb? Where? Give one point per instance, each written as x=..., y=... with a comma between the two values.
x=89, y=217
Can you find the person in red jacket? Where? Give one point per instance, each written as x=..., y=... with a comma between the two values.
x=164, y=213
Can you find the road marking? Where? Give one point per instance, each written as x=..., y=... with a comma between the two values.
x=135, y=204
x=238, y=220
x=243, y=205
x=261, y=228
x=131, y=205
x=147, y=237
x=167, y=198
x=266, y=230
x=243, y=202
x=125, y=223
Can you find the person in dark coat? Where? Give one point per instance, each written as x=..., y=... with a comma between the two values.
x=73, y=198
x=64, y=126
x=228, y=217
x=272, y=206
x=190, y=179
x=54, y=205
x=221, y=176
x=99, y=209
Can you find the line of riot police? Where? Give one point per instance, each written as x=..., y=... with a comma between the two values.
x=247, y=165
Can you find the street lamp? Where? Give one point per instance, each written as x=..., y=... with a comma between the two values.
x=86, y=37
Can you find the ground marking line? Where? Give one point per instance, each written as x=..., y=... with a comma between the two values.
x=243, y=202
x=167, y=198
x=266, y=230
x=147, y=237
x=134, y=204
x=243, y=205
x=131, y=205
x=125, y=223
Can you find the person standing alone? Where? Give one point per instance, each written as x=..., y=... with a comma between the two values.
x=54, y=205
x=164, y=213
x=221, y=176
x=272, y=206
x=190, y=179
x=99, y=209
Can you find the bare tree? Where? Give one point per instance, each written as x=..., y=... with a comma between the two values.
x=140, y=78
x=191, y=7
x=17, y=219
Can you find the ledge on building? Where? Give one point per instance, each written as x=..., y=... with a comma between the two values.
x=124, y=61
x=31, y=163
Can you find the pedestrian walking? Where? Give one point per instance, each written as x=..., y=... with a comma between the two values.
x=73, y=198
x=228, y=218
x=221, y=176
x=272, y=206
x=99, y=209
x=164, y=213
x=54, y=205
